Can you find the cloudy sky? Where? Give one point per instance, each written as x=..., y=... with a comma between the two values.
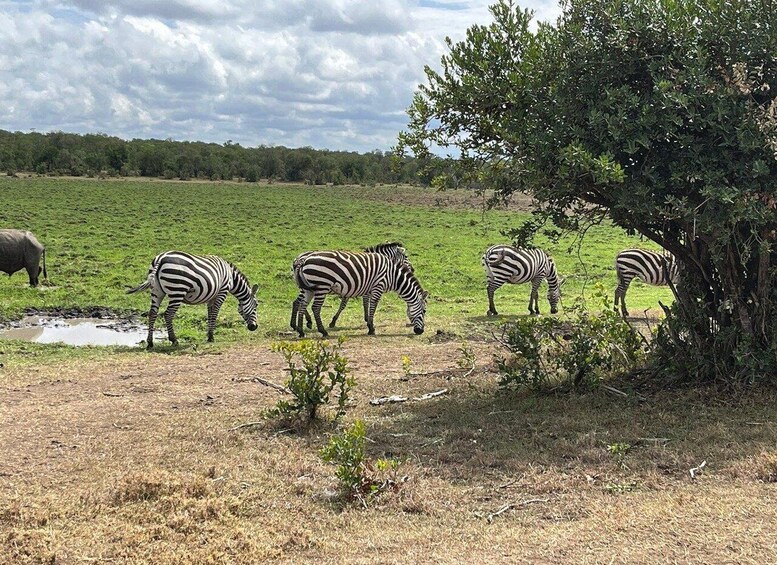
x=334, y=74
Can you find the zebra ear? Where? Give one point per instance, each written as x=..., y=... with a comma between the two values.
x=425, y=294
x=561, y=281
x=254, y=289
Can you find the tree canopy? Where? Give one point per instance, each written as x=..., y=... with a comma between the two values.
x=659, y=114
x=94, y=154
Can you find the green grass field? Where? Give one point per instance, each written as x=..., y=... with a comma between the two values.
x=101, y=236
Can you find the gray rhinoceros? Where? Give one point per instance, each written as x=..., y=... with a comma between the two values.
x=21, y=250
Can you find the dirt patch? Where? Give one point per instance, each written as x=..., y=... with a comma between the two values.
x=133, y=458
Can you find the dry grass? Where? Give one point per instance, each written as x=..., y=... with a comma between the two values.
x=130, y=459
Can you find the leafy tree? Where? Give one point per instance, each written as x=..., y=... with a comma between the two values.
x=659, y=114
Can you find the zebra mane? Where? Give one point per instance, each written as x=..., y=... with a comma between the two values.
x=409, y=274
x=382, y=246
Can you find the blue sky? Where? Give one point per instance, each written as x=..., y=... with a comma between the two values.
x=331, y=74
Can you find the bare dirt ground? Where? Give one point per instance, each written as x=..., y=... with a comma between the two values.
x=133, y=459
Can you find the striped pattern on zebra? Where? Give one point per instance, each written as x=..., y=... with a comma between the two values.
x=194, y=279
x=347, y=274
x=394, y=250
x=649, y=266
x=508, y=264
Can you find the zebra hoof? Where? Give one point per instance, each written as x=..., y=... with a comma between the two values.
x=149, y=347
x=309, y=325
x=324, y=334
x=371, y=331
x=300, y=333
x=491, y=313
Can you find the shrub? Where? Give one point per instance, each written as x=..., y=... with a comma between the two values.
x=549, y=352
x=360, y=479
x=322, y=370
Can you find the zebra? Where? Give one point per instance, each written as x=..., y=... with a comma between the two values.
x=394, y=250
x=649, y=266
x=194, y=279
x=508, y=264
x=348, y=274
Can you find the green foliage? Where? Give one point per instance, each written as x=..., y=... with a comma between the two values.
x=550, y=352
x=619, y=452
x=654, y=113
x=322, y=370
x=72, y=154
x=360, y=478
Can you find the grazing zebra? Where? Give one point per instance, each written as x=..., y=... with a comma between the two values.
x=653, y=268
x=348, y=274
x=193, y=279
x=507, y=264
x=393, y=250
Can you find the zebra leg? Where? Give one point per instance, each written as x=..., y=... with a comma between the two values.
x=374, y=299
x=213, y=310
x=295, y=309
x=172, y=308
x=308, y=319
x=156, y=300
x=534, y=297
x=620, y=293
x=491, y=287
x=298, y=312
x=366, y=305
x=318, y=302
x=343, y=303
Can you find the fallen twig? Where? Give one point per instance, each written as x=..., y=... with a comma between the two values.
x=655, y=440
x=113, y=394
x=265, y=382
x=388, y=400
x=506, y=507
x=429, y=395
x=697, y=470
x=620, y=392
x=396, y=398
x=246, y=425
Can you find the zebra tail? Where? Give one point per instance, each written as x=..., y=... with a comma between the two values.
x=149, y=279
x=143, y=286
x=299, y=277
x=488, y=264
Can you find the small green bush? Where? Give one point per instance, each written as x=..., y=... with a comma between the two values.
x=549, y=352
x=360, y=479
x=322, y=370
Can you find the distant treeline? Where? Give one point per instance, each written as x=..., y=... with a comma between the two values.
x=98, y=154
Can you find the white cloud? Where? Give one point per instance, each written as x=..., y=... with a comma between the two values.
x=332, y=74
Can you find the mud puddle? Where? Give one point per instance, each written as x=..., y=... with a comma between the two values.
x=76, y=331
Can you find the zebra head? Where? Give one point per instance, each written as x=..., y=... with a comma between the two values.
x=554, y=286
x=246, y=307
x=246, y=298
x=416, y=312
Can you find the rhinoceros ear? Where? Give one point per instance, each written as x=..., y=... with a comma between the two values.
x=254, y=289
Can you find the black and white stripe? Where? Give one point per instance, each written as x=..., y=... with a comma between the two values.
x=507, y=264
x=347, y=274
x=193, y=279
x=649, y=266
x=394, y=250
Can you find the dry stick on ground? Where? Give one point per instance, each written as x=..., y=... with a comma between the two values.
x=506, y=507
x=265, y=382
x=246, y=425
x=697, y=470
x=395, y=398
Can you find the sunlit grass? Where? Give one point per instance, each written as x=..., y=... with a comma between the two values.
x=101, y=236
